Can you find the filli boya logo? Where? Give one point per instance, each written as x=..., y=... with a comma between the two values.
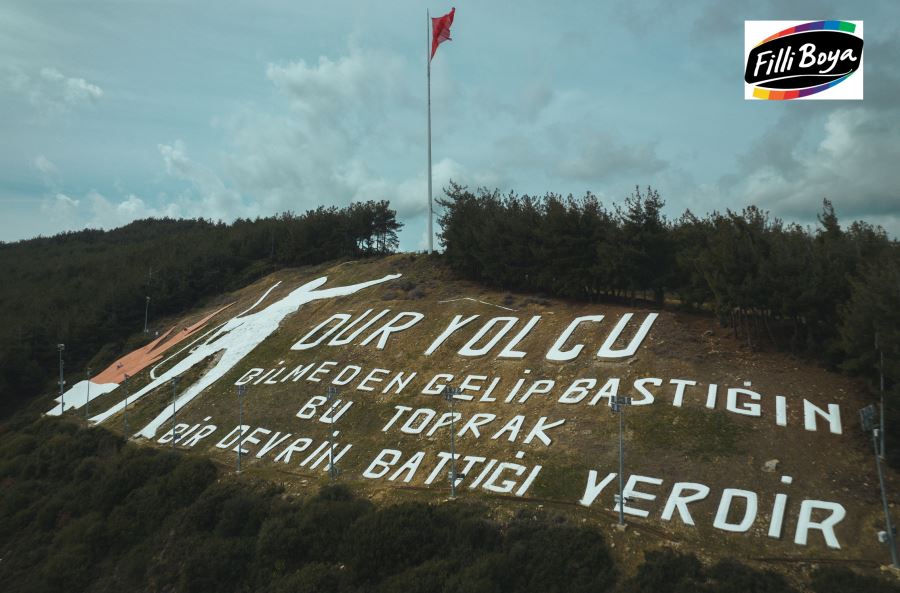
x=802, y=60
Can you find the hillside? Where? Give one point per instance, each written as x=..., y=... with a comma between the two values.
x=88, y=289
x=708, y=468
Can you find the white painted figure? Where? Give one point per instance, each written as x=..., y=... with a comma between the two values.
x=232, y=342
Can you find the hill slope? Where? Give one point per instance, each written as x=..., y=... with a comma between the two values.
x=768, y=464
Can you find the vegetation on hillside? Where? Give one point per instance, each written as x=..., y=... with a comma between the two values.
x=87, y=289
x=80, y=510
x=823, y=293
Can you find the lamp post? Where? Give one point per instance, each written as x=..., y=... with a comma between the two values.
x=867, y=420
x=331, y=393
x=146, y=314
x=450, y=394
x=240, y=393
x=125, y=410
x=62, y=382
x=618, y=404
x=174, y=410
x=87, y=401
x=881, y=390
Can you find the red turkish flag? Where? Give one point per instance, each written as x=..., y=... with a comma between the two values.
x=440, y=30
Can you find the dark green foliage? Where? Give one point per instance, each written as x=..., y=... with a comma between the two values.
x=180, y=527
x=87, y=289
x=871, y=309
x=312, y=578
x=82, y=511
x=533, y=556
x=667, y=571
x=402, y=536
x=732, y=577
x=843, y=580
x=77, y=501
x=821, y=294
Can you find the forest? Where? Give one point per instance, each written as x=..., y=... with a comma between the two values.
x=88, y=289
x=81, y=510
x=828, y=294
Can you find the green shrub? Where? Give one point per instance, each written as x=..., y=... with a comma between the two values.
x=843, y=580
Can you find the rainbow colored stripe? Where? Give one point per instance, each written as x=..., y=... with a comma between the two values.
x=759, y=93
x=844, y=26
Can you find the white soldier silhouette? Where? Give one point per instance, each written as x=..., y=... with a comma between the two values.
x=235, y=339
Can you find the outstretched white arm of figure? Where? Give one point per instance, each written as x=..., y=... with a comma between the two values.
x=259, y=300
x=343, y=290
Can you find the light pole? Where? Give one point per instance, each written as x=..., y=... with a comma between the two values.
x=867, y=419
x=618, y=404
x=87, y=401
x=240, y=393
x=146, y=314
x=125, y=410
x=62, y=382
x=174, y=411
x=450, y=394
x=332, y=471
x=881, y=389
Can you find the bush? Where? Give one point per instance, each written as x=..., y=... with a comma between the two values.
x=842, y=580
x=666, y=571
x=168, y=524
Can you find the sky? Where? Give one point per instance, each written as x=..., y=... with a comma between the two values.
x=112, y=111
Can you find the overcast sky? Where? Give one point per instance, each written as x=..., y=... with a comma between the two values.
x=116, y=110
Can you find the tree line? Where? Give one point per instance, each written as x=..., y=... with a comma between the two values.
x=87, y=289
x=823, y=293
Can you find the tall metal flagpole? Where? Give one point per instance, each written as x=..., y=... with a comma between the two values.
x=428, y=62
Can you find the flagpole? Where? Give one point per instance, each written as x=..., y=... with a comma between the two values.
x=428, y=58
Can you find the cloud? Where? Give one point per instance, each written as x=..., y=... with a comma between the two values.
x=51, y=92
x=597, y=156
x=110, y=213
x=74, y=90
x=339, y=111
x=410, y=195
x=205, y=196
x=854, y=165
x=579, y=153
x=352, y=93
x=95, y=210
x=717, y=20
x=208, y=195
x=353, y=131
x=48, y=170
x=844, y=151
x=61, y=210
x=45, y=165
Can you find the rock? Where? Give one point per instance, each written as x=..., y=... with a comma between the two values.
x=771, y=465
x=708, y=333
